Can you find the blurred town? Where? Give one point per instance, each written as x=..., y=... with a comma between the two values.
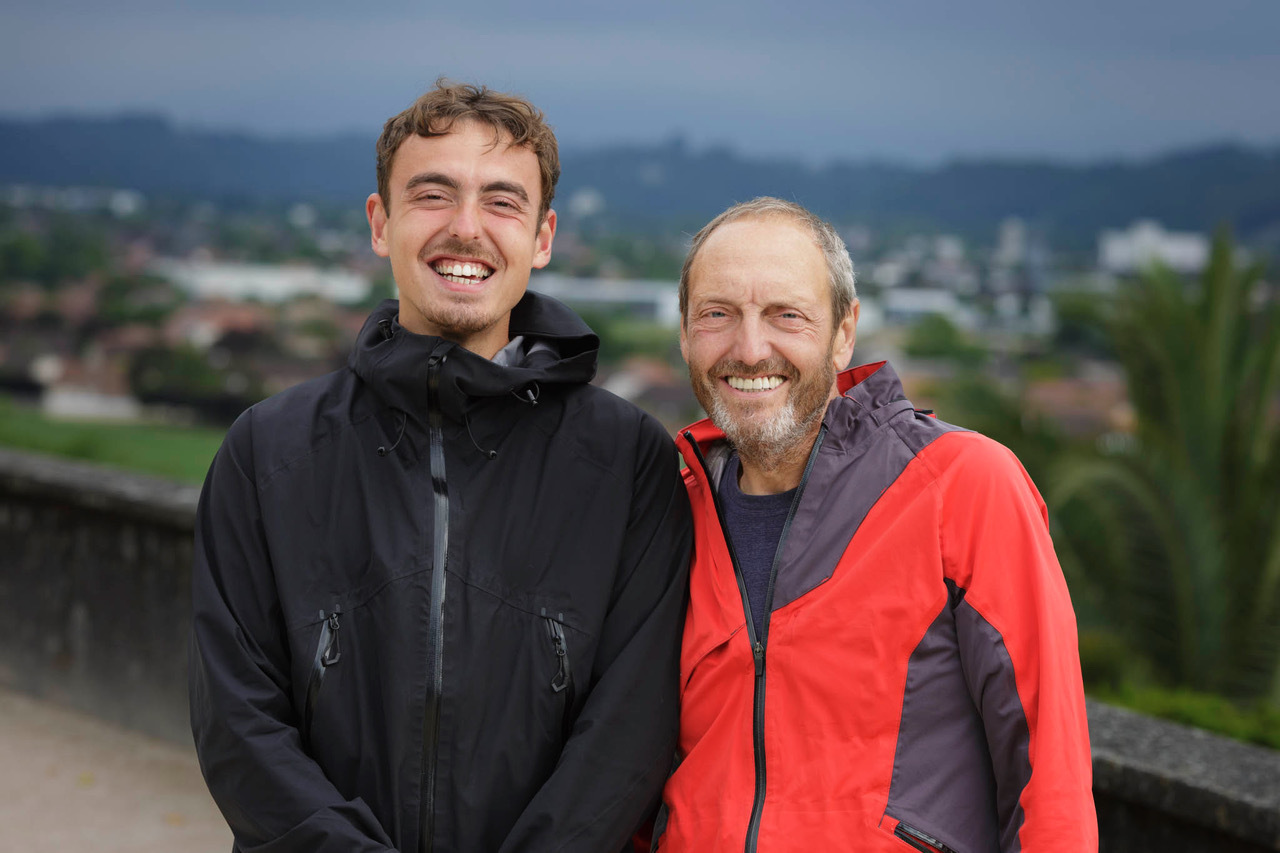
x=117, y=308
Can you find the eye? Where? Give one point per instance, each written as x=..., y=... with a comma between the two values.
x=505, y=205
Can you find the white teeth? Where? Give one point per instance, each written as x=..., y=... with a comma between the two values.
x=472, y=272
x=758, y=383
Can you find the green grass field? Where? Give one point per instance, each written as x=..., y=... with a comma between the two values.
x=182, y=453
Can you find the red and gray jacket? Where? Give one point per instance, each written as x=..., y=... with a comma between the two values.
x=916, y=683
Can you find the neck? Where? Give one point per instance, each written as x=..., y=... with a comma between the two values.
x=774, y=474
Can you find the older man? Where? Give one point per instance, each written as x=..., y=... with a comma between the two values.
x=880, y=652
x=438, y=593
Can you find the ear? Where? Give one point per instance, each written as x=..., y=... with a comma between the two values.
x=684, y=341
x=845, y=336
x=543, y=239
x=377, y=216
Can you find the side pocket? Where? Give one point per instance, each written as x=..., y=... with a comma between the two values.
x=563, y=681
x=923, y=842
x=328, y=653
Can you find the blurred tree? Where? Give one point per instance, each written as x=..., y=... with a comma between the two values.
x=1175, y=531
x=383, y=286
x=184, y=376
x=137, y=298
x=935, y=336
x=1079, y=329
x=74, y=249
x=22, y=257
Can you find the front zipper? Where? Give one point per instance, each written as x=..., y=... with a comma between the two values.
x=328, y=652
x=563, y=681
x=435, y=618
x=919, y=840
x=759, y=642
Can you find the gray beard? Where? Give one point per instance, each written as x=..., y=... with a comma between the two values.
x=769, y=444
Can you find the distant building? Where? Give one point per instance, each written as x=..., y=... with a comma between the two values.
x=658, y=301
x=1145, y=243
x=263, y=282
x=904, y=306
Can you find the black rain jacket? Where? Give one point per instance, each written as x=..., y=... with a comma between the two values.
x=438, y=603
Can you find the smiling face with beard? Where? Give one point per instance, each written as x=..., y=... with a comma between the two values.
x=763, y=433
x=762, y=344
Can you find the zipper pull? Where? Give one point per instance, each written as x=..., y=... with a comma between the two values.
x=333, y=651
x=556, y=632
x=758, y=653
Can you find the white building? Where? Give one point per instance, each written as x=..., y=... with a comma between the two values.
x=265, y=282
x=1145, y=243
x=905, y=305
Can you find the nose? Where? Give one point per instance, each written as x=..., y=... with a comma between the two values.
x=751, y=344
x=466, y=220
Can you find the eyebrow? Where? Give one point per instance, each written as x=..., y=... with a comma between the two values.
x=507, y=187
x=443, y=180
x=430, y=178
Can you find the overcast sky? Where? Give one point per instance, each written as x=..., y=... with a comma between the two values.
x=912, y=80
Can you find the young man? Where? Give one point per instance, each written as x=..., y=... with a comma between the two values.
x=438, y=594
x=880, y=653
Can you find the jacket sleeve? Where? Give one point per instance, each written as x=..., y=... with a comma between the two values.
x=619, y=752
x=1017, y=636
x=273, y=795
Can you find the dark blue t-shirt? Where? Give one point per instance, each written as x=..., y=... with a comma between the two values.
x=755, y=525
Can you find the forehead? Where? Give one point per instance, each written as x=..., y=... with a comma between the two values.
x=761, y=259
x=471, y=151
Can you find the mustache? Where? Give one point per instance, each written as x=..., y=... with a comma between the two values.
x=773, y=366
x=454, y=246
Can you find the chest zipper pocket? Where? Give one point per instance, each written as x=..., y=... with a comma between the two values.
x=328, y=653
x=921, y=841
x=563, y=681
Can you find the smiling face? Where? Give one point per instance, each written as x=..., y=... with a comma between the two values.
x=760, y=340
x=461, y=229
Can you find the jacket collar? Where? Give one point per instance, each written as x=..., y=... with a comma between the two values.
x=393, y=360
x=868, y=391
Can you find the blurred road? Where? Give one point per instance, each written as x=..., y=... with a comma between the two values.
x=69, y=782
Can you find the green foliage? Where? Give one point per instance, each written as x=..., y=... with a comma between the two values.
x=382, y=287
x=185, y=376
x=183, y=453
x=1081, y=325
x=622, y=337
x=74, y=249
x=934, y=336
x=22, y=257
x=973, y=401
x=1253, y=722
x=1174, y=537
x=137, y=299
x=70, y=249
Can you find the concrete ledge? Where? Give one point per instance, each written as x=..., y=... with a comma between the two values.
x=99, y=488
x=1169, y=787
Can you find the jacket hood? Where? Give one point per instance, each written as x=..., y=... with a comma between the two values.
x=560, y=350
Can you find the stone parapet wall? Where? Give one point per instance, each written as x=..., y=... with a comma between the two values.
x=95, y=579
x=1160, y=786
